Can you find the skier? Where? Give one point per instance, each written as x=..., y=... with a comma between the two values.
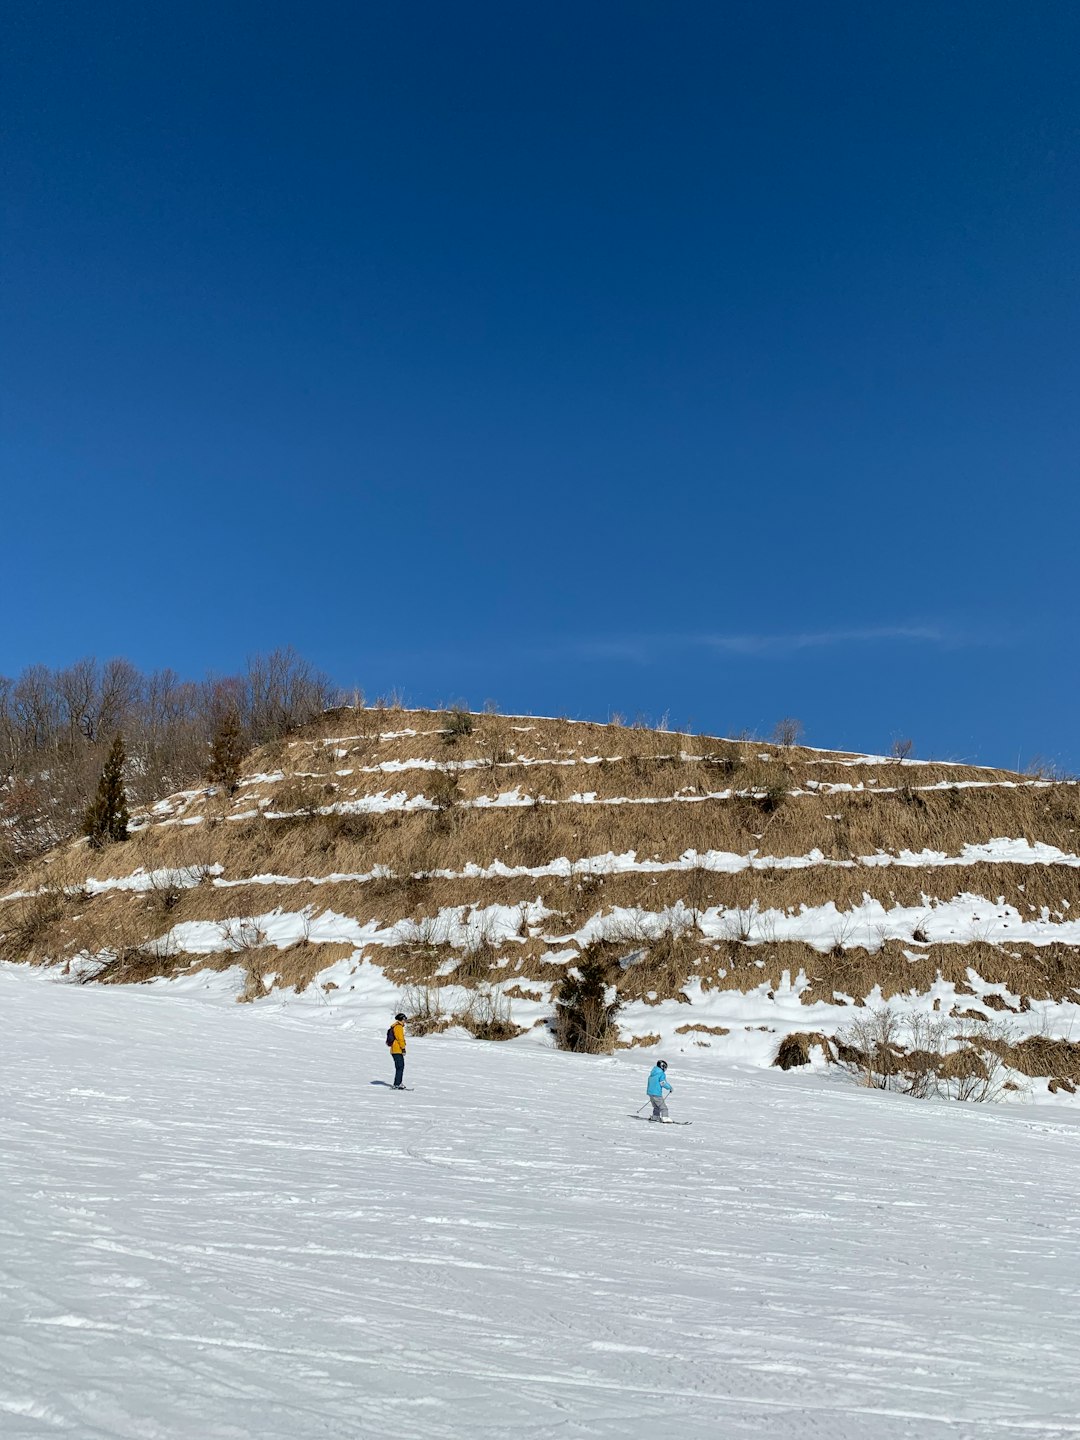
x=395, y=1038
x=656, y=1089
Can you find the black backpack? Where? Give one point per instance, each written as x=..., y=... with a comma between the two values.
x=390, y=1036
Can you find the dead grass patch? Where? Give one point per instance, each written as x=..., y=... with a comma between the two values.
x=403, y=849
x=795, y=1049
x=28, y=925
x=1039, y=1055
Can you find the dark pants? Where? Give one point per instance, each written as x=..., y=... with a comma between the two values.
x=399, y=1070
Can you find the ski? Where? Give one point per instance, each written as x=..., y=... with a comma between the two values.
x=649, y=1120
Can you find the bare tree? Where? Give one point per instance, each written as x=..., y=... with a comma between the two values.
x=787, y=732
x=56, y=727
x=282, y=692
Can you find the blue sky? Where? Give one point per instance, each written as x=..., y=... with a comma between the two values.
x=717, y=360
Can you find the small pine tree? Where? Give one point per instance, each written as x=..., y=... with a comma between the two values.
x=584, y=1016
x=107, y=817
x=227, y=752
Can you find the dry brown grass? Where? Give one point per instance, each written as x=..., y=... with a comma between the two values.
x=406, y=848
x=30, y=925
x=533, y=836
x=1039, y=1055
x=662, y=970
x=293, y=967
x=795, y=1048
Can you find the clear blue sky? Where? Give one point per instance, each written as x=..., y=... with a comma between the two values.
x=711, y=358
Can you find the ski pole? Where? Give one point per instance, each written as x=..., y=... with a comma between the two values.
x=642, y=1107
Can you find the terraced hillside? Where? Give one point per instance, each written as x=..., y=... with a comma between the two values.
x=732, y=892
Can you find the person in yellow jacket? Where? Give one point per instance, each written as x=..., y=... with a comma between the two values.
x=396, y=1040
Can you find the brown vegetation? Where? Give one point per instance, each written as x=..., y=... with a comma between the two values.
x=304, y=842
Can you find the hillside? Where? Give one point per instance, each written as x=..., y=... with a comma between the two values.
x=732, y=892
x=216, y=1227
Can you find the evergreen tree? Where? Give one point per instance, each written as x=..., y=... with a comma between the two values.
x=584, y=1016
x=107, y=817
x=227, y=752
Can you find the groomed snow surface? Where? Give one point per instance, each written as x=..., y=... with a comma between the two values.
x=219, y=1223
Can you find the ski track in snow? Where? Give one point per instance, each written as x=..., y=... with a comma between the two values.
x=216, y=1226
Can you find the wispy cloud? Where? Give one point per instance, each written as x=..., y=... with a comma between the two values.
x=643, y=649
x=820, y=639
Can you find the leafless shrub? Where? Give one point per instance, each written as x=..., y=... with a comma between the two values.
x=33, y=918
x=241, y=934
x=258, y=970
x=1042, y=767
x=901, y=749
x=352, y=826
x=870, y=1047
x=426, y=934
x=698, y=893
x=741, y=921
x=488, y=1015
x=393, y=699
x=787, y=732
x=133, y=964
x=926, y=1054
x=476, y=961
x=845, y=928
x=443, y=790
x=632, y=927
x=424, y=1006
x=457, y=724
x=298, y=795
x=165, y=890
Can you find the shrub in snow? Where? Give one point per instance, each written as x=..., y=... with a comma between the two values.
x=488, y=1015
x=927, y=1055
x=424, y=1006
x=795, y=1048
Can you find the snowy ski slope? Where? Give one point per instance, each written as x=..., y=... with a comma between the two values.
x=216, y=1225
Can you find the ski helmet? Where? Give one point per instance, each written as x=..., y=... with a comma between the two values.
x=661, y=1064
x=401, y=1017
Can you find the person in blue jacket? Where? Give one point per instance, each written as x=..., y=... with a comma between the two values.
x=657, y=1088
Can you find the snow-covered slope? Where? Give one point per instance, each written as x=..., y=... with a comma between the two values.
x=217, y=1223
